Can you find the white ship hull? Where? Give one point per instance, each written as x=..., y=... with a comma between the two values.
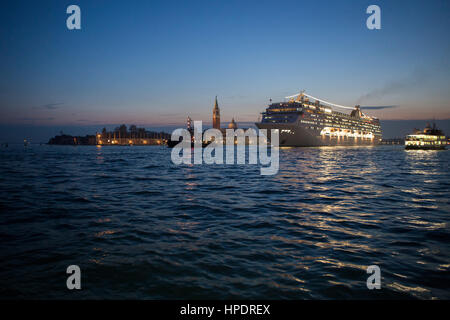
x=297, y=136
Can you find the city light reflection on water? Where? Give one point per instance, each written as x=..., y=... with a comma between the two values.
x=141, y=227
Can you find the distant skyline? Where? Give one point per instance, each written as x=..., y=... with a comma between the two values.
x=157, y=62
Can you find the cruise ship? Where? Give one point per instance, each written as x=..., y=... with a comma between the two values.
x=305, y=121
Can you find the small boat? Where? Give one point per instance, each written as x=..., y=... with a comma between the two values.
x=171, y=143
x=430, y=138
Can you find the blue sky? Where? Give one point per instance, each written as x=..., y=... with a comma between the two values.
x=155, y=62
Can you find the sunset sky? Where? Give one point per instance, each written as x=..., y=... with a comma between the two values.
x=156, y=62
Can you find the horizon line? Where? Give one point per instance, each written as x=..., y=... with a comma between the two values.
x=171, y=123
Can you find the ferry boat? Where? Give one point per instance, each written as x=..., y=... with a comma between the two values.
x=429, y=138
x=305, y=121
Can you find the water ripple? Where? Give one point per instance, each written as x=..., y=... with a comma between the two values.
x=141, y=227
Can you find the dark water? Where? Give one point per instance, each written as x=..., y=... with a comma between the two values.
x=140, y=227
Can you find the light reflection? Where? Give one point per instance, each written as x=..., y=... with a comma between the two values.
x=330, y=244
x=403, y=288
x=105, y=233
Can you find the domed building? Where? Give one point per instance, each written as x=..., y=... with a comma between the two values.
x=216, y=122
x=232, y=125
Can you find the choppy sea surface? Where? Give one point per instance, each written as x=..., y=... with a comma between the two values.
x=140, y=227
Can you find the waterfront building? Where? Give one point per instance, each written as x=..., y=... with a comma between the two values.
x=216, y=115
x=232, y=125
x=132, y=136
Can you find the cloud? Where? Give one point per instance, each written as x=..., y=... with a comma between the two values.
x=378, y=107
x=88, y=121
x=37, y=119
x=49, y=106
x=415, y=80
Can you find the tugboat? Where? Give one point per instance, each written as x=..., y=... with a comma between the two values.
x=430, y=138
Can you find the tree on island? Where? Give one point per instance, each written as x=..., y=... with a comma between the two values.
x=133, y=131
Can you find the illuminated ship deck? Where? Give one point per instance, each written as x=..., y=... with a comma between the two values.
x=429, y=138
x=308, y=121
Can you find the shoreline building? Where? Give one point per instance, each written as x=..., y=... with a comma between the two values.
x=216, y=119
x=232, y=124
x=216, y=115
x=132, y=136
x=216, y=123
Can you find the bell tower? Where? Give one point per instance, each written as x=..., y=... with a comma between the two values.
x=216, y=115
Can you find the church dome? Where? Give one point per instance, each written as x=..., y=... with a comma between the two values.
x=232, y=124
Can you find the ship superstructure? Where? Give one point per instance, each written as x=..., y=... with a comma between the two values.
x=430, y=138
x=307, y=121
